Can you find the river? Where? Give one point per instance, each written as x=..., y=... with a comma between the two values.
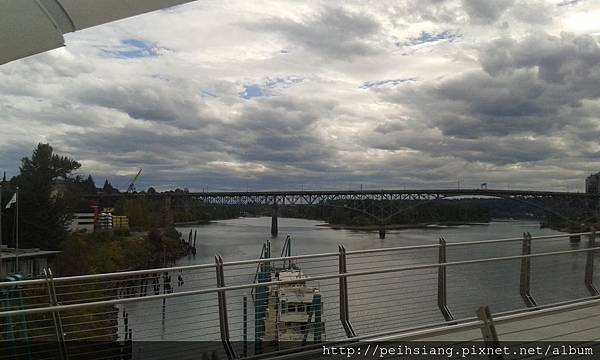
x=240, y=239
x=377, y=302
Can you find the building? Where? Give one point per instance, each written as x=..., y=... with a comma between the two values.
x=592, y=184
x=83, y=222
x=31, y=262
x=104, y=221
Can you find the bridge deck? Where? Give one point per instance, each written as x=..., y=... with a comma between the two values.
x=571, y=325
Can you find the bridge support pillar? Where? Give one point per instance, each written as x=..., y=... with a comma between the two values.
x=274, y=226
x=382, y=231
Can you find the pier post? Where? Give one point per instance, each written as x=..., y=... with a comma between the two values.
x=381, y=230
x=343, y=282
x=589, y=265
x=525, y=282
x=274, y=227
x=442, y=287
x=223, y=318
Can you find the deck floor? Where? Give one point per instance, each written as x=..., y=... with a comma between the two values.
x=571, y=325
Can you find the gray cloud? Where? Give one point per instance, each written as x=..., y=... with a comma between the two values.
x=147, y=99
x=332, y=32
x=529, y=86
x=484, y=11
x=258, y=96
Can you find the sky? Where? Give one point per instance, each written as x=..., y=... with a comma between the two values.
x=264, y=95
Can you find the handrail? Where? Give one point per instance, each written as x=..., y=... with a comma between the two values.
x=295, y=257
x=438, y=328
x=315, y=278
x=285, y=258
x=542, y=237
x=107, y=275
x=463, y=243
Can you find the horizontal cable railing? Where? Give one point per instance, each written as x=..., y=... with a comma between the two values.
x=347, y=295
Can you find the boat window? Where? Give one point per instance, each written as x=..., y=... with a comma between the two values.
x=301, y=308
x=283, y=307
x=291, y=308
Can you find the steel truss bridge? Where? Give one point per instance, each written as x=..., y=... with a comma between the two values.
x=380, y=205
x=314, y=197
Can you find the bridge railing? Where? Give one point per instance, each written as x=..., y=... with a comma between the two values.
x=223, y=309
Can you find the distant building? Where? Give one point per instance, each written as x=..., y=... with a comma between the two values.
x=83, y=222
x=101, y=221
x=31, y=261
x=592, y=184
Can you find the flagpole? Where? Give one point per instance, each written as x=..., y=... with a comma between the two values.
x=1, y=208
x=17, y=250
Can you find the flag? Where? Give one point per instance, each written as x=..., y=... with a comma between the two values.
x=12, y=201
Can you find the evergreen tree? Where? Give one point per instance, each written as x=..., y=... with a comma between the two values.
x=89, y=186
x=44, y=213
x=107, y=188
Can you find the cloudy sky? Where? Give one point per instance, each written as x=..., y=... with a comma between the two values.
x=320, y=94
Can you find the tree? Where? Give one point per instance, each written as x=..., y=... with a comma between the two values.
x=44, y=213
x=107, y=188
x=89, y=186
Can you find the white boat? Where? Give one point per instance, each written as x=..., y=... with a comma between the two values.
x=293, y=311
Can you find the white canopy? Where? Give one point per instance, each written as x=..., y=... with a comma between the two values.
x=30, y=27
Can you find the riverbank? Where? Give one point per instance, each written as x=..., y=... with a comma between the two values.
x=84, y=253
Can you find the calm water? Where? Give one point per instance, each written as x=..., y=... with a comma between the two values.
x=377, y=302
x=242, y=238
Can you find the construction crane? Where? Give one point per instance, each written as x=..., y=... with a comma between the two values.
x=131, y=187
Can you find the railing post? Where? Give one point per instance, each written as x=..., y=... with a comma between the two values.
x=488, y=330
x=58, y=326
x=344, y=307
x=589, y=266
x=525, y=283
x=442, y=287
x=245, y=326
x=223, y=318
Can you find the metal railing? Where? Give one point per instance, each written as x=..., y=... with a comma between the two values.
x=361, y=294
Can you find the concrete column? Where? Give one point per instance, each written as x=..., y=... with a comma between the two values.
x=381, y=231
x=274, y=227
